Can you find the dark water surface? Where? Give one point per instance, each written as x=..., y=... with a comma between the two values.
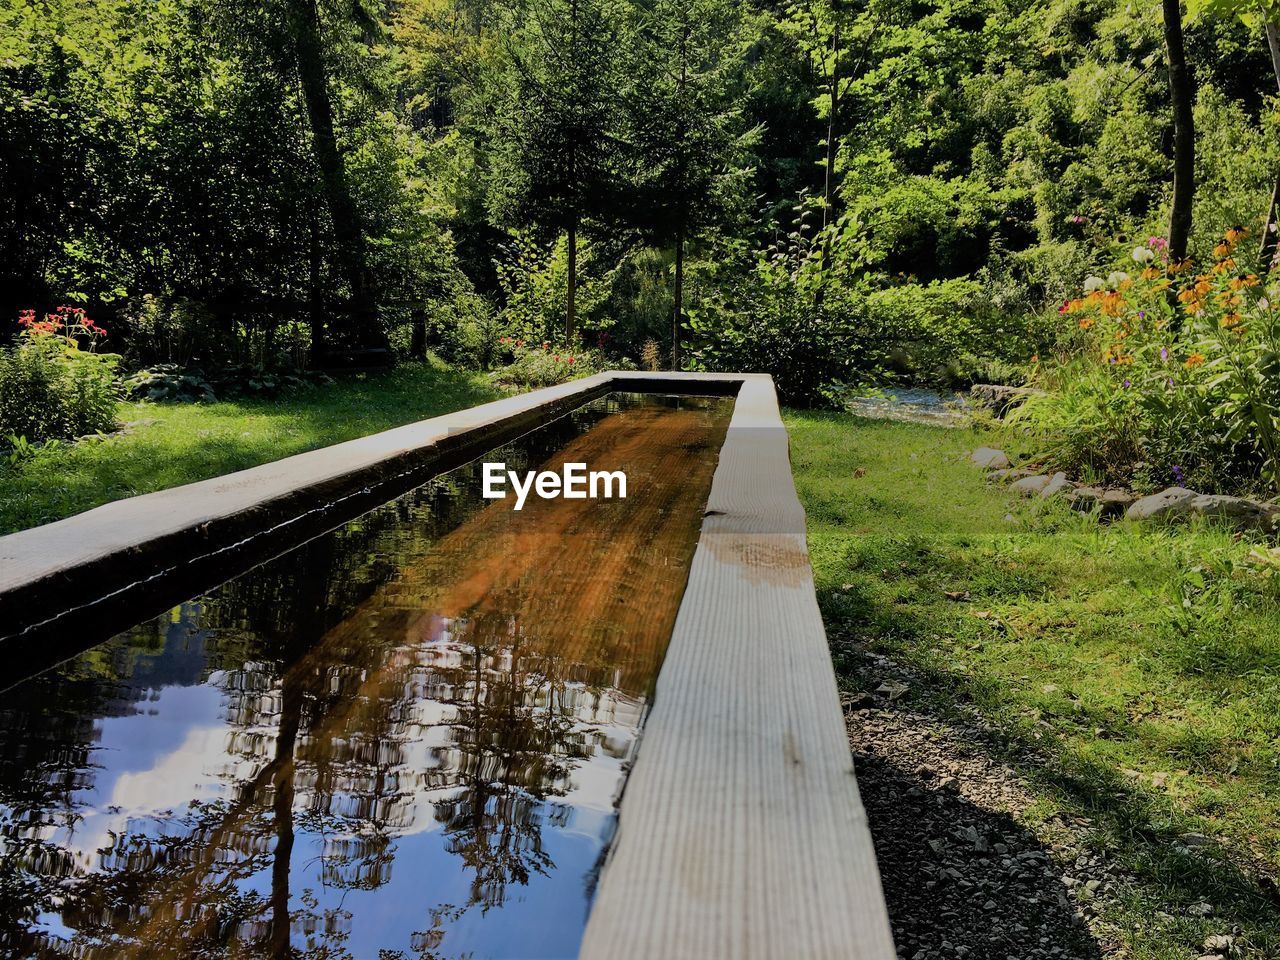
x=403, y=739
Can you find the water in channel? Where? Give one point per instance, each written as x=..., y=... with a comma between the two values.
x=403, y=739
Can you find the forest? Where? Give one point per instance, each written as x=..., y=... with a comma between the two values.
x=832, y=191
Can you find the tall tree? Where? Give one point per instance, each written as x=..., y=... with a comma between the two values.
x=835, y=36
x=309, y=53
x=683, y=126
x=1270, y=238
x=553, y=152
x=1182, y=97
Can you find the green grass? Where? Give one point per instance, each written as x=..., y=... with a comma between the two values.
x=189, y=442
x=1131, y=674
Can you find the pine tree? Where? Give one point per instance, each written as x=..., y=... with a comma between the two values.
x=553, y=137
x=683, y=129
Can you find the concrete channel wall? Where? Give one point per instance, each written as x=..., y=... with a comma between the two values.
x=740, y=831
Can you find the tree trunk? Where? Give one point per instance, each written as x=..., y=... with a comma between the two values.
x=829, y=175
x=677, y=315
x=418, y=333
x=833, y=91
x=1181, y=95
x=570, y=307
x=282, y=796
x=309, y=52
x=315, y=294
x=1270, y=240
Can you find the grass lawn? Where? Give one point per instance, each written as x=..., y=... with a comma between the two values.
x=188, y=442
x=1130, y=674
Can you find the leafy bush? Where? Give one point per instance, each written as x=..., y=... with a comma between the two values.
x=544, y=365
x=170, y=382
x=466, y=332
x=51, y=387
x=1162, y=390
x=790, y=311
x=951, y=332
x=535, y=283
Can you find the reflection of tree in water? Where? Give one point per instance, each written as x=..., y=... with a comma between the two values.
x=335, y=666
x=511, y=756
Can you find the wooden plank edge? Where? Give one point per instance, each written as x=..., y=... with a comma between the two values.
x=741, y=833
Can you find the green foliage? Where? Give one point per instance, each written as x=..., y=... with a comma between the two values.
x=950, y=332
x=785, y=316
x=535, y=280
x=1138, y=402
x=170, y=381
x=554, y=102
x=542, y=365
x=52, y=389
x=685, y=146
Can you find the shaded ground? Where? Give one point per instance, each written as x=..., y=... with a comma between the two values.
x=962, y=876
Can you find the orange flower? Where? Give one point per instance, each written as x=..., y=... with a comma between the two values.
x=1150, y=273
x=1086, y=323
x=1221, y=250
x=1194, y=360
x=1236, y=233
x=1231, y=320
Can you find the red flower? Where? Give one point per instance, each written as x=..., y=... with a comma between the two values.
x=26, y=318
x=571, y=359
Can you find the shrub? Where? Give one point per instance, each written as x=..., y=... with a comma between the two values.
x=950, y=332
x=1176, y=375
x=545, y=364
x=783, y=315
x=170, y=382
x=50, y=386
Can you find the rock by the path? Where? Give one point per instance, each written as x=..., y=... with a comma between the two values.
x=1030, y=486
x=1009, y=475
x=1058, y=485
x=1239, y=512
x=1165, y=505
x=1178, y=502
x=1111, y=502
x=990, y=458
x=999, y=398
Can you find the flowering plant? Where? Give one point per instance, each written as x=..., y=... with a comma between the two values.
x=53, y=382
x=543, y=364
x=1187, y=359
x=70, y=325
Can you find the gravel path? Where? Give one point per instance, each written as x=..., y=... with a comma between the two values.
x=963, y=878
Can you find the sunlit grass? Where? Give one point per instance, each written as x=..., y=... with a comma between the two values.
x=189, y=442
x=1131, y=673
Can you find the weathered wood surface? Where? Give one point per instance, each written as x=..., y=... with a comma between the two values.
x=741, y=833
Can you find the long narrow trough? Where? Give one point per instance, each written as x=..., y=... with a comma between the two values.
x=407, y=725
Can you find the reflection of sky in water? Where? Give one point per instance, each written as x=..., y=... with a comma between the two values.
x=178, y=747
x=375, y=737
